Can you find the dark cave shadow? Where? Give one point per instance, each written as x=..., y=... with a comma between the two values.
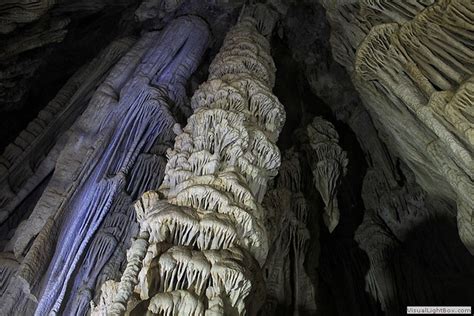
x=343, y=268
x=431, y=267
x=336, y=295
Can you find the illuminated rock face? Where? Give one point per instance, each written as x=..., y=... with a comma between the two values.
x=202, y=235
x=114, y=153
x=415, y=77
x=29, y=160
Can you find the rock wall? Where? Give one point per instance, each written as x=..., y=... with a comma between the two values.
x=32, y=156
x=390, y=186
x=390, y=84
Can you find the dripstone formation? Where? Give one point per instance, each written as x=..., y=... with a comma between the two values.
x=82, y=219
x=140, y=166
x=413, y=66
x=202, y=236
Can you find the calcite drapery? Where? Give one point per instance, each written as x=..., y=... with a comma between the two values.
x=406, y=267
x=31, y=157
x=423, y=108
x=27, y=163
x=113, y=155
x=201, y=232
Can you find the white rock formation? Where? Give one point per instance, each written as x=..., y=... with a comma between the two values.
x=203, y=233
x=77, y=232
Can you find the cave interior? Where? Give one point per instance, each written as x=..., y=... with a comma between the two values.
x=232, y=157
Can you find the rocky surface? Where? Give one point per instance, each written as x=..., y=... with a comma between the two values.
x=371, y=209
x=203, y=234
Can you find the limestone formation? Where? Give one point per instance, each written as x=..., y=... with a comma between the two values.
x=288, y=284
x=329, y=164
x=113, y=155
x=422, y=107
x=15, y=13
x=27, y=161
x=393, y=232
x=203, y=234
x=32, y=31
x=156, y=8
x=125, y=196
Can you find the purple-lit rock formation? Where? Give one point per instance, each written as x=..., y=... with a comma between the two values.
x=27, y=161
x=114, y=153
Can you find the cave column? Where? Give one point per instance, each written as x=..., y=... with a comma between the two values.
x=203, y=238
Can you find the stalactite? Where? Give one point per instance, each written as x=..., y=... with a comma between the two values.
x=27, y=161
x=206, y=224
x=31, y=158
x=391, y=233
x=329, y=164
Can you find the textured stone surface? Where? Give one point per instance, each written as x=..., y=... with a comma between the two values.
x=384, y=85
x=329, y=163
x=289, y=288
x=31, y=157
x=112, y=155
x=215, y=180
x=31, y=32
x=411, y=106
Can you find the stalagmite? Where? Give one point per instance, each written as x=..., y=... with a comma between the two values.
x=206, y=223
